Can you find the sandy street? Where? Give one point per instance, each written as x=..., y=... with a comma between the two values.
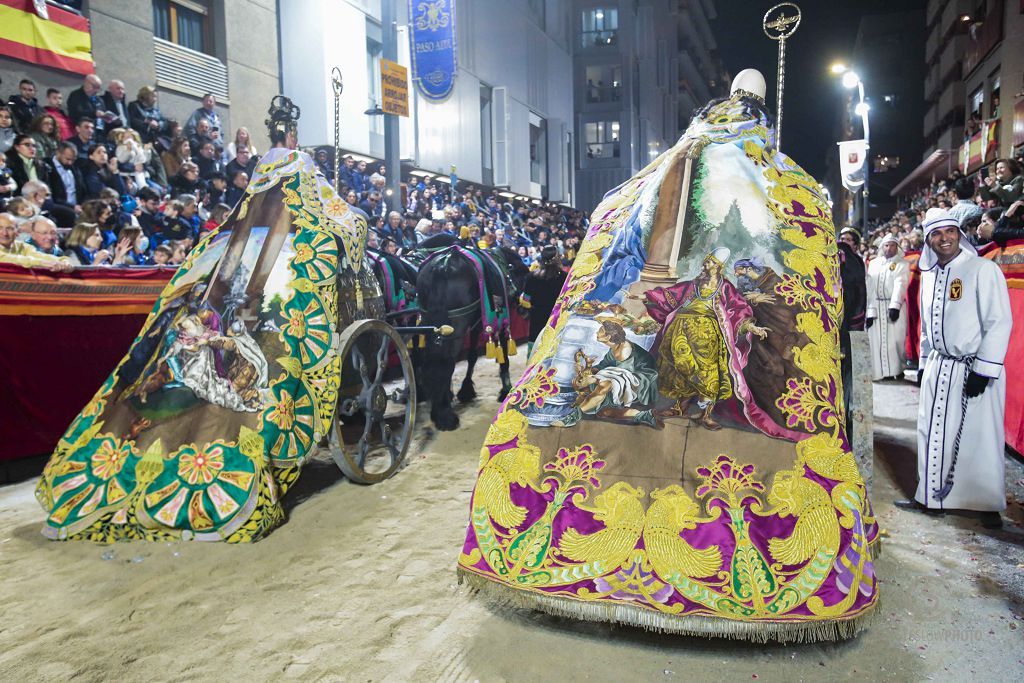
x=360, y=585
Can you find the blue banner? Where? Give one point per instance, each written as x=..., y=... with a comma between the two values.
x=432, y=48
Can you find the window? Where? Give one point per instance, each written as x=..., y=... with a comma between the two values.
x=600, y=27
x=538, y=150
x=183, y=22
x=374, y=51
x=604, y=83
x=601, y=140
x=977, y=101
x=486, y=134
x=993, y=100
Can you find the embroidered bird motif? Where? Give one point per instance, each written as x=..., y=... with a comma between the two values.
x=672, y=511
x=816, y=523
x=622, y=513
x=517, y=465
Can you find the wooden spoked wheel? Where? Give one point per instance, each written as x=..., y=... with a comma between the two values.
x=376, y=412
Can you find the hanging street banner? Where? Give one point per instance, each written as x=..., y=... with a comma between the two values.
x=394, y=88
x=852, y=157
x=432, y=47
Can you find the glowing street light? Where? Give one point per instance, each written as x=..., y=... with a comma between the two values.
x=862, y=109
x=838, y=68
x=850, y=79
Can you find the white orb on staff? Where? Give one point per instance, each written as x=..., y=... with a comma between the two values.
x=781, y=22
x=338, y=86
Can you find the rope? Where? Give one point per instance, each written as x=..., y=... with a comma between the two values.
x=947, y=486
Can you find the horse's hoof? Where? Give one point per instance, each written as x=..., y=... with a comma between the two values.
x=446, y=422
x=466, y=394
x=503, y=394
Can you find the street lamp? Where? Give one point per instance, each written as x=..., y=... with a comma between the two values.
x=851, y=80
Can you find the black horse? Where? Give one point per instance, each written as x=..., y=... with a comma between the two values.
x=448, y=293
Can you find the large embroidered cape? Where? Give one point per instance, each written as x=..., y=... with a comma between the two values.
x=231, y=383
x=730, y=503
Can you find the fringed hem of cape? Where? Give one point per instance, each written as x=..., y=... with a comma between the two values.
x=761, y=631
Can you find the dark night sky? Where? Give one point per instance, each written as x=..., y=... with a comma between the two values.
x=828, y=29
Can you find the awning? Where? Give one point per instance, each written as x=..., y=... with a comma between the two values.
x=939, y=161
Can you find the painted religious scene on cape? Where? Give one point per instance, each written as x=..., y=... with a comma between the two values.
x=676, y=448
x=229, y=386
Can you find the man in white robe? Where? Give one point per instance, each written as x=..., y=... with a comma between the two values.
x=888, y=276
x=965, y=329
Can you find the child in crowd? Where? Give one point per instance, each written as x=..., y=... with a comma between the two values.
x=162, y=255
x=132, y=156
x=173, y=226
x=179, y=250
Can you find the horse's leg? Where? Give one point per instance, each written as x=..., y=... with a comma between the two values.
x=467, y=392
x=506, y=381
x=438, y=370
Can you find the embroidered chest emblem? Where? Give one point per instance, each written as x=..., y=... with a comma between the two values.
x=892, y=267
x=956, y=290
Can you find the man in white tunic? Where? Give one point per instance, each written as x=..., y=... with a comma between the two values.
x=888, y=275
x=965, y=329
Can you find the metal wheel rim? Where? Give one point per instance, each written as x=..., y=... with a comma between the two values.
x=393, y=431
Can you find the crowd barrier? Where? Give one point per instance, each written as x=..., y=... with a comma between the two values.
x=61, y=335
x=1011, y=261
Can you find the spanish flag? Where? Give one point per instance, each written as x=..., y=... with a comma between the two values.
x=62, y=41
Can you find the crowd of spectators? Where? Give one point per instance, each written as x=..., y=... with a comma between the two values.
x=102, y=180
x=474, y=216
x=99, y=180
x=988, y=204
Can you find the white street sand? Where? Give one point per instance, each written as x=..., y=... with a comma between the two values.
x=360, y=585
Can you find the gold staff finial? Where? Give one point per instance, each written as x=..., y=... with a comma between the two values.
x=778, y=25
x=338, y=86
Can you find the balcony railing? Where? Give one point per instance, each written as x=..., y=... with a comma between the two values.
x=601, y=94
x=599, y=38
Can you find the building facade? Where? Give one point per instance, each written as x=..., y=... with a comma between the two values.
x=974, y=88
x=640, y=68
x=508, y=121
x=184, y=48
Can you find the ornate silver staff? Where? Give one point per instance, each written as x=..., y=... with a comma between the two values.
x=338, y=86
x=779, y=26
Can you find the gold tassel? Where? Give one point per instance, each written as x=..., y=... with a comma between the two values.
x=499, y=355
x=512, y=350
x=408, y=343
x=423, y=341
x=490, y=349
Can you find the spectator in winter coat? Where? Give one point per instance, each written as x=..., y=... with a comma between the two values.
x=86, y=103
x=145, y=117
x=24, y=106
x=206, y=112
x=55, y=108
x=22, y=161
x=101, y=171
x=115, y=103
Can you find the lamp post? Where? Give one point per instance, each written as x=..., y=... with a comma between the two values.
x=851, y=80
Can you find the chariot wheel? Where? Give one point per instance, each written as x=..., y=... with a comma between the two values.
x=376, y=411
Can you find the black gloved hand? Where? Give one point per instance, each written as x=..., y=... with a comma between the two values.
x=975, y=384
x=868, y=323
x=894, y=314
